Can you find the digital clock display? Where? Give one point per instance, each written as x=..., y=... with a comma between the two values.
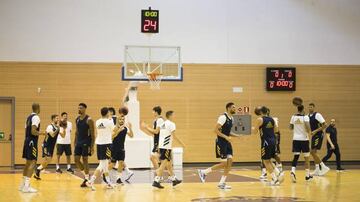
x=149, y=21
x=281, y=79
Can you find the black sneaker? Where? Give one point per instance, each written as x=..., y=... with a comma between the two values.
x=308, y=178
x=70, y=170
x=340, y=170
x=58, y=171
x=157, y=184
x=118, y=181
x=84, y=183
x=37, y=174
x=176, y=182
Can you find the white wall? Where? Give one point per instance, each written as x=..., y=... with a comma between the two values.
x=209, y=31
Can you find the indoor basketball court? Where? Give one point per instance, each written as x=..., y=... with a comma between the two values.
x=179, y=100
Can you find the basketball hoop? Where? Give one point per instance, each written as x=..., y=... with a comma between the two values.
x=154, y=80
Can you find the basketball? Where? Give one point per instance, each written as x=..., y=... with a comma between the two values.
x=297, y=101
x=124, y=110
x=257, y=110
x=63, y=124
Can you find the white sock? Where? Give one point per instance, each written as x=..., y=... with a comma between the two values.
x=172, y=178
x=127, y=170
x=222, y=180
x=93, y=178
x=27, y=182
x=107, y=178
x=276, y=171
x=57, y=166
x=157, y=179
x=273, y=175
x=40, y=167
x=293, y=169
x=317, y=167
x=263, y=171
x=68, y=166
x=207, y=171
x=87, y=177
x=322, y=164
x=307, y=171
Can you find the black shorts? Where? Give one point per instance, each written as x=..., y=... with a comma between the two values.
x=268, y=152
x=316, y=142
x=61, y=148
x=30, y=150
x=117, y=154
x=223, y=149
x=47, y=150
x=277, y=148
x=82, y=150
x=155, y=149
x=301, y=146
x=165, y=154
x=103, y=151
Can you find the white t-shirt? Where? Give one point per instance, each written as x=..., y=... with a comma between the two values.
x=165, y=138
x=222, y=118
x=276, y=120
x=49, y=129
x=159, y=122
x=299, y=132
x=104, y=128
x=66, y=139
x=35, y=120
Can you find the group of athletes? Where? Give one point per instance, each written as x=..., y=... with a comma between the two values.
x=111, y=132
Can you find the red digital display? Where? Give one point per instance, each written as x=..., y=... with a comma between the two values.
x=281, y=79
x=149, y=21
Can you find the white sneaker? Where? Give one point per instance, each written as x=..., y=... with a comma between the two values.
x=263, y=177
x=202, y=175
x=91, y=185
x=281, y=177
x=315, y=173
x=129, y=175
x=293, y=177
x=224, y=186
x=324, y=170
x=28, y=189
x=274, y=182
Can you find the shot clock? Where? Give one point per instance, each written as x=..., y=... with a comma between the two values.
x=150, y=21
x=280, y=79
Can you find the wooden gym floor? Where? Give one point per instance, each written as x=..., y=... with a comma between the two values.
x=245, y=187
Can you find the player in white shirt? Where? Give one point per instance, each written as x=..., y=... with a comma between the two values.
x=167, y=133
x=104, y=128
x=64, y=143
x=300, y=125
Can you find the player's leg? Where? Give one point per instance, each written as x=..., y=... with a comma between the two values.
x=296, y=149
x=30, y=154
x=160, y=170
x=328, y=154
x=68, y=158
x=315, y=146
x=229, y=155
x=59, y=152
x=338, y=158
x=128, y=172
x=154, y=158
x=268, y=152
x=263, y=175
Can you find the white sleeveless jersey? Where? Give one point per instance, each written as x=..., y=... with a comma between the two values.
x=104, y=128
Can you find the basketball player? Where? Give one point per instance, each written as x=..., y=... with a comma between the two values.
x=30, y=151
x=48, y=145
x=154, y=131
x=167, y=134
x=223, y=146
x=118, y=150
x=104, y=129
x=300, y=126
x=332, y=145
x=317, y=125
x=64, y=143
x=266, y=126
x=277, y=150
x=84, y=141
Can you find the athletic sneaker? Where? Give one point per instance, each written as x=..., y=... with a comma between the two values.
x=157, y=185
x=37, y=174
x=274, y=182
x=202, y=175
x=129, y=175
x=90, y=185
x=315, y=173
x=118, y=181
x=28, y=189
x=324, y=170
x=263, y=176
x=69, y=170
x=84, y=183
x=308, y=178
x=58, y=171
x=340, y=170
x=176, y=182
x=293, y=177
x=224, y=186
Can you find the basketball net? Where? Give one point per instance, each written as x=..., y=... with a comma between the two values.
x=154, y=80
